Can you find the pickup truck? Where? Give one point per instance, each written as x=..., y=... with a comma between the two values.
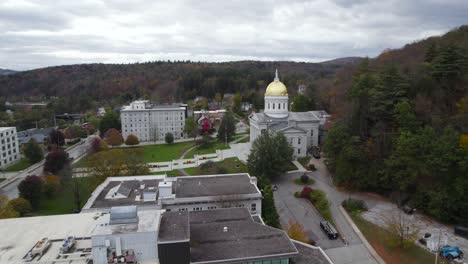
x=451, y=253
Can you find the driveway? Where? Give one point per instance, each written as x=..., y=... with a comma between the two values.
x=301, y=210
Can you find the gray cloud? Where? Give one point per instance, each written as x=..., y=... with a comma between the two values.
x=39, y=33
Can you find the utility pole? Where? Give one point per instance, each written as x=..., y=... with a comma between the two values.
x=438, y=247
x=225, y=134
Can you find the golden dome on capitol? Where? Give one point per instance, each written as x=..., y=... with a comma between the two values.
x=276, y=88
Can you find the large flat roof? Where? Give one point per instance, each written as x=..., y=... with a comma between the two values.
x=214, y=185
x=224, y=235
x=185, y=188
x=174, y=226
x=132, y=184
x=20, y=234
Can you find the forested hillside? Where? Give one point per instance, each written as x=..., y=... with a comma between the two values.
x=78, y=86
x=402, y=126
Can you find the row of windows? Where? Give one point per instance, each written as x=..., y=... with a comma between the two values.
x=9, y=146
x=253, y=207
x=276, y=261
x=160, y=119
x=6, y=161
x=273, y=105
x=9, y=152
x=8, y=132
x=13, y=138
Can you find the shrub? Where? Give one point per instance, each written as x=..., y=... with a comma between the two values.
x=354, y=205
x=56, y=161
x=305, y=179
x=132, y=140
x=320, y=201
x=306, y=192
x=312, y=167
x=113, y=137
x=297, y=194
x=20, y=205
x=169, y=138
x=210, y=167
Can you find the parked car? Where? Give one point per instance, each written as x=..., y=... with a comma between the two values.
x=329, y=230
x=451, y=253
x=275, y=187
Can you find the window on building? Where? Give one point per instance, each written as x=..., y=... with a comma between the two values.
x=298, y=140
x=298, y=151
x=253, y=207
x=273, y=105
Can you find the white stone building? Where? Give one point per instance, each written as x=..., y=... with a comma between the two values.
x=302, y=129
x=9, y=147
x=151, y=122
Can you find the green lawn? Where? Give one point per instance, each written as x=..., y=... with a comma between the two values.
x=172, y=173
x=165, y=152
x=210, y=150
x=232, y=165
x=63, y=202
x=152, y=153
x=22, y=164
x=378, y=238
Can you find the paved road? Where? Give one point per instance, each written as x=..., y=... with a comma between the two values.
x=11, y=190
x=301, y=210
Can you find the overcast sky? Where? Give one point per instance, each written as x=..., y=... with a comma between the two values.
x=39, y=33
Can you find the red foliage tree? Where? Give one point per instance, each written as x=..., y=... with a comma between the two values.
x=305, y=193
x=206, y=126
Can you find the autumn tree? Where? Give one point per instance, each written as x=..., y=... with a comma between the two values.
x=96, y=145
x=6, y=210
x=113, y=137
x=33, y=152
x=20, y=205
x=56, y=161
x=296, y=231
x=51, y=185
x=56, y=137
x=30, y=189
x=132, y=140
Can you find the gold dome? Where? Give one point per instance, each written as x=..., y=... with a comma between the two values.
x=276, y=87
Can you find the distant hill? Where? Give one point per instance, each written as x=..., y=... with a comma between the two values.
x=167, y=79
x=344, y=61
x=7, y=72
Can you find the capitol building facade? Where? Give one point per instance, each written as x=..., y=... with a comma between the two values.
x=302, y=129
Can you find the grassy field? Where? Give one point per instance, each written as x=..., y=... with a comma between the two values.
x=165, y=152
x=304, y=161
x=22, y=164
x=152, y=153
x=210, y=150
x=378, y=238
x=171, y=173
x=63, y=202
x=232, y=165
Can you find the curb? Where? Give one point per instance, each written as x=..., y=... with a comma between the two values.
x=361, y=236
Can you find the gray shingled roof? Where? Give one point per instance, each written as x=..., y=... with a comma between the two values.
x=235, y=184
x=244, y=238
